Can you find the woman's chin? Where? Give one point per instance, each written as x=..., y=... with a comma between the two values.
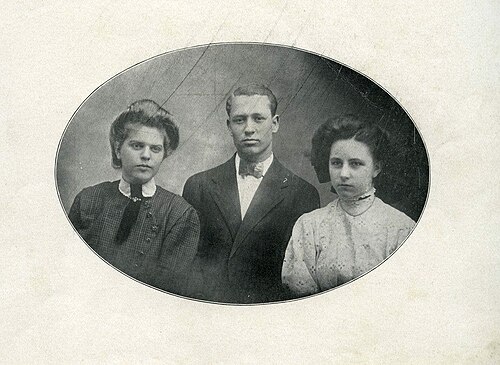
x=344, y=195
x=345, y=192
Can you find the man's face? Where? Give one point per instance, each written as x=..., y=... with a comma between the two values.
x=252, y=126
x=141, y=153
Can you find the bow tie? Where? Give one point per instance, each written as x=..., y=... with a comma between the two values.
x=251, y=168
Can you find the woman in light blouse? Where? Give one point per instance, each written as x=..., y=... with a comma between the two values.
x=353, y=234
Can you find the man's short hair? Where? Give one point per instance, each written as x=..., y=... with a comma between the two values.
x=148, y=113
x=253, y=89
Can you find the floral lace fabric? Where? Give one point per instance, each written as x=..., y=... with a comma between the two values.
x=329, y=247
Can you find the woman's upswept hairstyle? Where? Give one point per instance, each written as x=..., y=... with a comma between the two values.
x=342, y=128
x=148, y=113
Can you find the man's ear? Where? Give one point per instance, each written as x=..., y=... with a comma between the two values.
x=276, y=123
x=228, y=128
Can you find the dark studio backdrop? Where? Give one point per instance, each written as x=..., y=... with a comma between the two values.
x=193, y=84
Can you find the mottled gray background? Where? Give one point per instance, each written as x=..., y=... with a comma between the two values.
x=193, y=85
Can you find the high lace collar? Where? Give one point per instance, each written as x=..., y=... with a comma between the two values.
x=359, y=204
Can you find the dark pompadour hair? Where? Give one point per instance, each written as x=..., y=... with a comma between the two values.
x=342, y=128
x=148, y=113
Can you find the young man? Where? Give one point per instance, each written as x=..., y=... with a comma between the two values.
x=247, y=208
x=140, y=228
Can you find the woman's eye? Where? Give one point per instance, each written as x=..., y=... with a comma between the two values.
x=156, y=149
x=356, y=163
x=336, y=163
x=136, y=146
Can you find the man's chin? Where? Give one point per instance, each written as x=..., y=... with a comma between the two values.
x=249, y=151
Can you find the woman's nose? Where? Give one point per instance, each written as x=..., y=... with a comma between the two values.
x=146, y=153
x=345, y=172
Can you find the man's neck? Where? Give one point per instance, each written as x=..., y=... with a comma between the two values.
x=255, y=158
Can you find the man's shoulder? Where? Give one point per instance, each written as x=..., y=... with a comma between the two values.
x=304, y=196
x=214, y=172
x=294, y=178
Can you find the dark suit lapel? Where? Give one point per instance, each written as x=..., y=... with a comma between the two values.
x=267, y=196
x=225, y=195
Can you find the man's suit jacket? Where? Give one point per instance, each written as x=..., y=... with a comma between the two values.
x=240, y=261
x=161, y=245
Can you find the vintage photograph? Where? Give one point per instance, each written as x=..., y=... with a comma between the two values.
x=242, y=173
x=250, y=182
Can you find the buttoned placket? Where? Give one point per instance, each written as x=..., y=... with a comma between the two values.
x=149, y=216
x=153, y=227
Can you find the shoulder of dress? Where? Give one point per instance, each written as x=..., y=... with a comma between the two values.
x=167, y=197
x=104, y=187
x=316, y=215
x=93, y=198
x=394, y=216
x=163, y=193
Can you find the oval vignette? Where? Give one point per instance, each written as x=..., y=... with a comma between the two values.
x=194, y=83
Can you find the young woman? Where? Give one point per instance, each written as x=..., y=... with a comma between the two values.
x=140, y=228
x=354, y=233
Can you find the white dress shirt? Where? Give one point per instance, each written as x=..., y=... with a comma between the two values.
x=248, y=184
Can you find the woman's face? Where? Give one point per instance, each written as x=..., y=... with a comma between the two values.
x=141, y=153
x=352, y=168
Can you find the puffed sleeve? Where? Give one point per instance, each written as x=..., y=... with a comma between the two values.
x=403, y=225
x=298, y=272
x=74, y=213
x=193, y=192
x=405, y=229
